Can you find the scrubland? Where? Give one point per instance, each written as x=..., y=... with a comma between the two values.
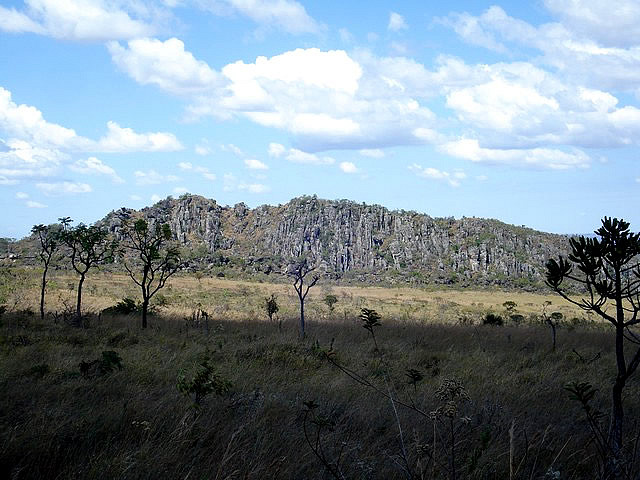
x=490, y=402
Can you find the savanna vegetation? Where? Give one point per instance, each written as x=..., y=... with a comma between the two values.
x=385, y=383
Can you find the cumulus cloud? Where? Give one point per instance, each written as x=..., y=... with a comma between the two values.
x=22, y=195
x=470, y=149
x=19, y=159
x=151, y=177
x=27, y=124
x=287, y=15
x=348, y=167
x=95, y=166
x=276, y=150
x=166, y=65
x=121, y=139
x=253, y=187
x=204, y=171
x=82, y=20
x=298, y=156
x=63, y=188
x=34, y=204
x=452, y=179
x=396, y=22
x=254, y=164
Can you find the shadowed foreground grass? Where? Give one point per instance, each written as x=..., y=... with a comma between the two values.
x=134, y=423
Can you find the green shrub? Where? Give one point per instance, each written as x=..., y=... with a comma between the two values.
x=126, y=306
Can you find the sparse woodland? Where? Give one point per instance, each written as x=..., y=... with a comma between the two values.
x=407, y=384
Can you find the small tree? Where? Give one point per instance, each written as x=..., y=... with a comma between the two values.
x=152, y=262
x=609, y=270
x=271, y=306
x=49, y=241
x=298, y=271
x=331, y=301
x=89, y=246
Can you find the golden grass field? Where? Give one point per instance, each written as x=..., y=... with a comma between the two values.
x=241, y=299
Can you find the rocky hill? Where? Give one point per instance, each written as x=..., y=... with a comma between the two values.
x=353, y=242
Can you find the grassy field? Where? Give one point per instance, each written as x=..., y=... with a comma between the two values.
x=241, y=300
x=490, y=403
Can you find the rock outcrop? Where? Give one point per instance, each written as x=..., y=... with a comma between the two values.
x=348, y=240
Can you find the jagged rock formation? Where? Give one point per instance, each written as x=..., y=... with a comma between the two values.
x=348, y=240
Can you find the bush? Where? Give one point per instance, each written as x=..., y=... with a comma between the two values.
x=493, y=319
x=126, y=306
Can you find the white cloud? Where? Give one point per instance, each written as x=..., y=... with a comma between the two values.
x=396, y=22
x=95, y=166
x=32, y=204
x=202, y=150
x=287, y=15
x=151, y=177
x=164, y=64
x=82, y=20
x=135, y=198
x=155, y=198
x=230, y=147
x=209, y=176
x=298, y=156
x=22, y=195
x=119, y=139
x=470, y=149
x=63, y=188
x=20, y=159
x=26, y=123
x=180, y=190
x=276, y=150
x=8, y=181
x=348, y=167
x=371, y=152
x=254, y=164
x=596, y=19
x=254, y=188
x=452, y=179
x=185, y=166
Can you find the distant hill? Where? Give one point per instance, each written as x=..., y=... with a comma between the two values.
x=351, y=241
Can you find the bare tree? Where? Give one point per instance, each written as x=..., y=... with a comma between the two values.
x=609, y=270
x=89, y=246
x=298, y=271
x=49, y=237
x=152, y=262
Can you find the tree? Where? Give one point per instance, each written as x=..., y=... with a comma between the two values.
x=609, y=270
x=89, y=246
x=271, y=306
x=331, y=301
x=49, y=241
x=152, y=262
x=298, y=270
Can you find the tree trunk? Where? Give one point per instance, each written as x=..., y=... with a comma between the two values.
x=145, y=308
x=79, y=302
x=301, y=317
x=42, y=292
x=613, y=468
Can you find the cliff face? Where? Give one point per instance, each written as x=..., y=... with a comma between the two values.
x=347, y=240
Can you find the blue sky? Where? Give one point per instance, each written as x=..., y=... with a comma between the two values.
x=528, y=112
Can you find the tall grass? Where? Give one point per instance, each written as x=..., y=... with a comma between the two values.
x=134, y=423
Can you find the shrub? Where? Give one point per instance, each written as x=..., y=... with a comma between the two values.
x=205, y=380
x=126, y=306
x=493, y=319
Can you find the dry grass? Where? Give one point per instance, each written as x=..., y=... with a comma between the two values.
x=237, y=299
x=56, y=423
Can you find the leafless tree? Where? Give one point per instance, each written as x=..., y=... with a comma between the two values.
x=298, y=271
